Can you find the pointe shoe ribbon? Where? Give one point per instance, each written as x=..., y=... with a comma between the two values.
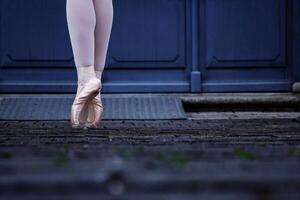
x=88, y=92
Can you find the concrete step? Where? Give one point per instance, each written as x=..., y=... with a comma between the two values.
x=242, y=98
x=241, y=102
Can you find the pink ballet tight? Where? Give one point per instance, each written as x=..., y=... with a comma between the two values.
x=89, y=24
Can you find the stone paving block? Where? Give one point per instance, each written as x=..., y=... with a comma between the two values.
x=198, y=158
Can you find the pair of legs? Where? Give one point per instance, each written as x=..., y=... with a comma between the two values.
x=89, y=24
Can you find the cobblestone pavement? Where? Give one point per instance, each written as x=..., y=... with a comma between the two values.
x=209, y=156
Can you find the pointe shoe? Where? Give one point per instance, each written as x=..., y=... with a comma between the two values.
x=78, y=110
x=84, y=114
x=95, y=111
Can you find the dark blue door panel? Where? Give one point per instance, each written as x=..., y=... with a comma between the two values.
x=148, y=47
x=250, y=33
x=35, y=49
x=246, y=45
x=34, y=33
x=152, y=34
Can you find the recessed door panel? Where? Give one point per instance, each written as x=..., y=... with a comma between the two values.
x=246, y=45
x=34, y=33
x=151, y=35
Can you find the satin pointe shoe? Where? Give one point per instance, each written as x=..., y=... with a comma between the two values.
x=78, y=112
x=84, y=114
x=95, y=111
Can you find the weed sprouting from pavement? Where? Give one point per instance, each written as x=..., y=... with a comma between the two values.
x=179, y=159
x=294, y=152
x=6, y=155
x=60, y=159
x=245, y=155
x=174, y=159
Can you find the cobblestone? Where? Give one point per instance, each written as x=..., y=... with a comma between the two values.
x=199, y=158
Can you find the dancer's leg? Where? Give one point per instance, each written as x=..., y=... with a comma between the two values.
x=104, y=20
x=81, y=20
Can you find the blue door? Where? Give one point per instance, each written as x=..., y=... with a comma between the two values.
x=246, y=45
x=156, y=46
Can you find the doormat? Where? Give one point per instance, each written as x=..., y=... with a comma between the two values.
x=116, y=107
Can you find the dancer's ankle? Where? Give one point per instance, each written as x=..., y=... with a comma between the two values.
x=85, y=73
x=99, y=73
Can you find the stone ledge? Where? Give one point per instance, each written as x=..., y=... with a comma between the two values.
x=243, y=98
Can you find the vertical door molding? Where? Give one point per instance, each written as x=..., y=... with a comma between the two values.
x=195, y=71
